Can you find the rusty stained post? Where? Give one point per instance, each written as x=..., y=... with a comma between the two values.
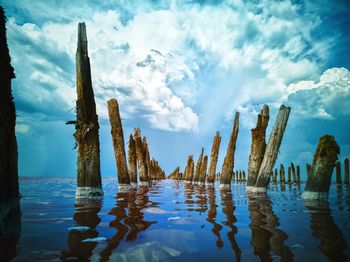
x=258, y=146
x=141, y=161
x=87, y=127
x=319, y=180
x=346, y=171
x=118, y=144
x=338, y=172
x=272, y=149
x=282, y=177
x=228, y=164
x=203, y=172
x=198, y=167
x=214, y=158
x=298, y=174
x=132, y=162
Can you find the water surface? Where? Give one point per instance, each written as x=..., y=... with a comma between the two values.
x=176, y=221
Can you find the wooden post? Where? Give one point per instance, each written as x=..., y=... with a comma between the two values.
x=244, y=177
x=189, y=169
x=298, y=174
x=282, y=178
x=258, y=146
x=318, y=182
x=203, y=170
x=346, y=171
x=9, y=189
x=271, y=151
x=228, y=164
x=198, y=167
x=140, y=157
x=289, y=175
x=275, y=176
x=87, y=127
x=147, y=158
x=293, y=173
x=132, y=162
x=308, y=169
x=214, y=157
x=118, y=143
x=338, y=172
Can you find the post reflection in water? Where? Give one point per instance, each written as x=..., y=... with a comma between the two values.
x=228, y=208
x=129, y=219
x=212, y=217
x=86, y=217
x=10, y=229
x=323, y=228
x=265, y=236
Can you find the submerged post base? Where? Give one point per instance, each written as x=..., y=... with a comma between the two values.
x=314, y=195
x=83, y=192
x=255, y=189
x=124, y=187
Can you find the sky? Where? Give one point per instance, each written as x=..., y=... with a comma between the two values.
x=180, y=70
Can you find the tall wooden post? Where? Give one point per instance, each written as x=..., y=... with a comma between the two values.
x=214, y=158
x=118, y=144
x=258, y=146
x=87, y=127
x=228, y=164
x=132, y=162
x=141, y=161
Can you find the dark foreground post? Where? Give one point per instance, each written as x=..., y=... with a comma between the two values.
x=271, y=151
x=228, y=164
x=258, y=146
x=214, y=158
x=118, y=144
x=346, y=171
x=10, y=214
x=319, y=180
x=87, y=128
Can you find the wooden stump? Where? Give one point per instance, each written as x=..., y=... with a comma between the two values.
x=198, y=167
x=346, y=171
x=319, y=180
x=140, y=156
x=282, y=178
x=338, y=172
x=298, y=174
x=203, y=170
x=293, y=173
x=132, y=161
x=289, y=175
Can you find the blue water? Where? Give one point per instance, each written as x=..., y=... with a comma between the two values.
x=175, y=221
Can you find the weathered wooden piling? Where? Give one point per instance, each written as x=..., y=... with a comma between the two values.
x=346, y=171
x=132, y=161
x=140, y=157
x=271, y=151
x=244, y=176
x=147, y=157
x=203, y=170
x=292, y=167
x=338, y=172
x=274, y=178
x=282, y=177
x=228, y=164
x=8, y=143
x=298, y=174
x=87, y=127
x=258, y=146
x=118, y=143
x=318, y=182
x=198, y=167
x=308, y=169
x=214, y=158
x=289, y=180
x=189, y=170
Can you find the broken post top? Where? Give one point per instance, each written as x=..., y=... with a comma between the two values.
x=82, y=39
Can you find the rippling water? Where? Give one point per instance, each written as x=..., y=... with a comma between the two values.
x=175, y=221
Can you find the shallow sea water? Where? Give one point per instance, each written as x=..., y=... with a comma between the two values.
x=176, y=221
